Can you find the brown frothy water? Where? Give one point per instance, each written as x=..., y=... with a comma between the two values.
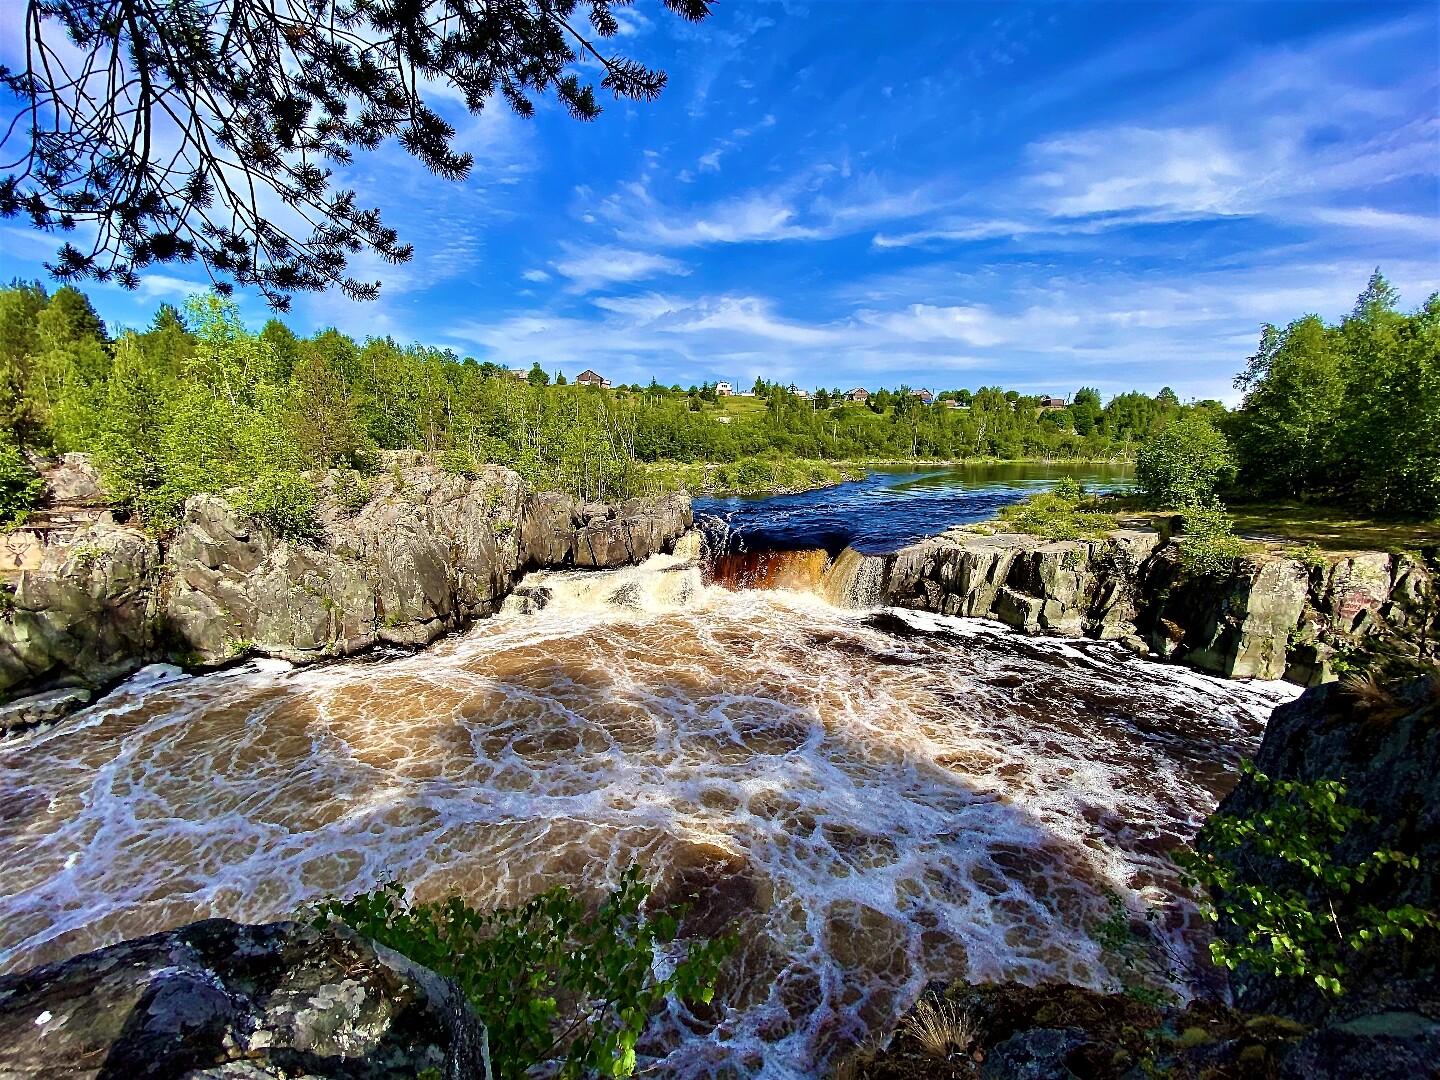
x=877, y=800
x=800, y=570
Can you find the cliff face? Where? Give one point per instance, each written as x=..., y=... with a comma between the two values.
x=1272, y=617
x=89, y=600
x=1385, y=747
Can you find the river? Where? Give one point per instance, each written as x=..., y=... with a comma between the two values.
x=893, y=505
x=875, y=798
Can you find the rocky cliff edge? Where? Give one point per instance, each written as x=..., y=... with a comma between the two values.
x=85, y=600
x=1271, y=617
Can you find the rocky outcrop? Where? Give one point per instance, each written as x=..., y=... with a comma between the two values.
x=1272, y=617
x=425, y=554
x=1060, y=1032
x=218, y=1000
x=89, y=610
x=1385, y=746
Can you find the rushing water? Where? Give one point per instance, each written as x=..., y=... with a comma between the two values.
x=889, y=508
x=875, y=798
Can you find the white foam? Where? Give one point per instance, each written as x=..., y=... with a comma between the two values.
x=945, y=805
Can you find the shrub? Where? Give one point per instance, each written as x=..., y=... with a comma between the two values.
x=1208, y=544
x=283, y=500
x=20, y=486
x=1056, y=515
x=1303, y=930
x=549, y=979
x=459, y=462
x=351, y=492
x=1184, y=462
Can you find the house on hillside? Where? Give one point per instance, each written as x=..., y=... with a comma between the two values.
x=589, y=378
x=953, y=404
x=1048, y=402
x=801, y=394
x=724, y=389
x=925, y=396
x=517, y=373
x=859, y=395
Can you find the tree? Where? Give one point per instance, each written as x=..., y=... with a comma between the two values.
x=205, y=130
x=1183, y=464
x=537, y=377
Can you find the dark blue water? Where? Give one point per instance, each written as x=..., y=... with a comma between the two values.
x=889, y=508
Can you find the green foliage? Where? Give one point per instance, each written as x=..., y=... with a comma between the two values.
x=1208, y=544
x=20, y=486
x=459, y=462
x=1346, y=412
x=1057, y=514
x=1309, y=557
x=549, y=979
x=99, y=73
x=283, y=500
x=352, y=491
x=1141, y=978
x=1184, y=462
x=1306, y=926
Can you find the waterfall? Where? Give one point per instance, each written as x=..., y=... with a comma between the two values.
x=801, y=570
x=855, y=580
x=660, y=583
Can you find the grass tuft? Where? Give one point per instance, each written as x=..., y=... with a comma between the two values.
x=941, y=1028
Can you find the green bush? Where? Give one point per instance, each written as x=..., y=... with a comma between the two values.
x=1184, y=463
x=1303, y=930
x=283, y=500
x=1057, y=515
x=459, y=462
x=551, y=980
x=1208, y=544
x=351, y=492
x=20, y=486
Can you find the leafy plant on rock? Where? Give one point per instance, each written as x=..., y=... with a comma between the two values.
x=285, y=501
x=1299, y=924
x=552, y=980
x=1208, y=544
x=20, y=486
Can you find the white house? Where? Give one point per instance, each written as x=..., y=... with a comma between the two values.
x=724, y=389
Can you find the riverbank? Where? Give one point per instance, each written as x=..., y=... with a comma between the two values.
x=1269, y=616
x=421, y=553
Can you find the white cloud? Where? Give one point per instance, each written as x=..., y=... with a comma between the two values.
x=535, y=275
x=594, y=268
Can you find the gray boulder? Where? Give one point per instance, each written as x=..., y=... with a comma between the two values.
x=220, y=1000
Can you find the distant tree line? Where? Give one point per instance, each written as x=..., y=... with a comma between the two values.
x=197, y=402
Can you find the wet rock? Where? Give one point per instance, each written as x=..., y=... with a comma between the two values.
x=87, y=613
x=1041, y=1054
x=1383, y=1046
x=1272, y=617
x=41, y=709
x=217, y=999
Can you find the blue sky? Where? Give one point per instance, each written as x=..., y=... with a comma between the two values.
x=839, y=193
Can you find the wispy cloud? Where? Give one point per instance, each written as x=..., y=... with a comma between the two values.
x=595, y=268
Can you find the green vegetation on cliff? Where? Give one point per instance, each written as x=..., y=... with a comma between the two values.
x=1347, y=414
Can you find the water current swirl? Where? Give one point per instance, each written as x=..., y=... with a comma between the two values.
x=876, y=799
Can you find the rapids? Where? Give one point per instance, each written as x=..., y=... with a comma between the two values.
x=877, y=798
